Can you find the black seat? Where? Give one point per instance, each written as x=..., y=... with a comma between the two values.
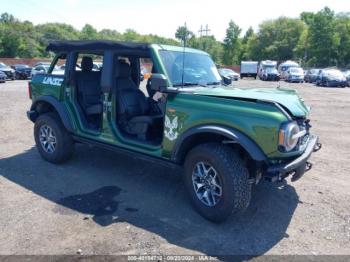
x=134, y=111
x=89, y=88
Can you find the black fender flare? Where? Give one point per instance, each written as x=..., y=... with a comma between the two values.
x=232, y=135
x=62, y=112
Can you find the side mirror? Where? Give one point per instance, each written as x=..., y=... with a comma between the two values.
x=159, y=82
x=227, y=80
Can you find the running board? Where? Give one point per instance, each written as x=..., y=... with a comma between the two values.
x=131, y=153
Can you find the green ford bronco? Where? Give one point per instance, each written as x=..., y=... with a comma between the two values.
x=169, y=105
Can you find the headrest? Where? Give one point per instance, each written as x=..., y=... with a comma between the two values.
x=123, y=70
x=86, y=64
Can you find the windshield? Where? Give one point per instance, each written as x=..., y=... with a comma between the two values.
x=296, y=70
x=198, y=69
x=271, y=70
x=21, y=66
x=2, y=65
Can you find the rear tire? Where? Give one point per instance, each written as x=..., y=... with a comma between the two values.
x=52, y=140
x=231, y=174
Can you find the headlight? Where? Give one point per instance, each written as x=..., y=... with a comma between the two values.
x=289, y=136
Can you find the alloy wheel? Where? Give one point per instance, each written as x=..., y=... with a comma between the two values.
x=47, y=139
x=207, y=184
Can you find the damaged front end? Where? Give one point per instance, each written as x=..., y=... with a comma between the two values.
x=295, y=167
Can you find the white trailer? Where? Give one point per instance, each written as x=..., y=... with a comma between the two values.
x=249, y=69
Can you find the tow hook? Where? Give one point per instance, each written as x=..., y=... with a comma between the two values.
x=301, y=171
x=308, y=166
x=317, y=147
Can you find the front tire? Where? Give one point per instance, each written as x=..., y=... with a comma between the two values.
x=217, y=181
x=52, y=140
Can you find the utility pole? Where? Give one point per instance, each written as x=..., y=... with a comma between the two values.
x=205, y=30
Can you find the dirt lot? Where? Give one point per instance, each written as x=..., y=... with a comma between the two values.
x=104, y=203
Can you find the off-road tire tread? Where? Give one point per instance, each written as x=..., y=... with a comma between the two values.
x=66, y=149
x=235, y=172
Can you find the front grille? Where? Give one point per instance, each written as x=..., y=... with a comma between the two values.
x=8, y=73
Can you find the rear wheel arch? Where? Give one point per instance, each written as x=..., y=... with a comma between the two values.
x=47, y=104
x=216, y=134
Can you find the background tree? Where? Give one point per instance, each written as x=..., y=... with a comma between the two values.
x=183, y=33
x=322, y=41
x=89, y=33
x=232, y=44
x=342, y=39
x=208, y=44
x=277, y=39
x=244, y=55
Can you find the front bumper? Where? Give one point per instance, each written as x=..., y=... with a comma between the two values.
x=23, y=74
x=336, y=83
x=272, y=77
x=296, y=79
x=9, y=75
x=296, y=167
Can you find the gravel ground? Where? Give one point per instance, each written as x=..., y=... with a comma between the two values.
x=105, y=203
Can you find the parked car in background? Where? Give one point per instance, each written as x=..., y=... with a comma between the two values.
x=283, y=68
x=270, y=74
x=311, y=75
x=97, y=66
x=42, y=63
x=331, y=78
x=226, y=72
x=40, y=69
x=2, y=77
x=249, y=69
x=9, y=72
x=22, y=71
x=347, y=76
x=295, y=75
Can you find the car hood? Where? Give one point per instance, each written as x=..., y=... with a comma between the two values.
x=24, y=69
x=336, y=78
x=287, y=98
x=6, y=69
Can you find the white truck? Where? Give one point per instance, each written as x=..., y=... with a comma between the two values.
x=266, y=64
x=249, y=69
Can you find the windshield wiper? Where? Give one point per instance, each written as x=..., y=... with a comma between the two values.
x=213, y=83
x=188, y=84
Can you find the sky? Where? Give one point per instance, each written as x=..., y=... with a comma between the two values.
x=162, y=17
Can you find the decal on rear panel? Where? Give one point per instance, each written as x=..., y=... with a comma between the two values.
x=52, y=81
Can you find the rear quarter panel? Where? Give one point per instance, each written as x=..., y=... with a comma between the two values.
x=46, y=84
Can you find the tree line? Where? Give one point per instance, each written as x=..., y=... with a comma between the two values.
x=26, y=40
x=318, y=39
x=314, y=39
